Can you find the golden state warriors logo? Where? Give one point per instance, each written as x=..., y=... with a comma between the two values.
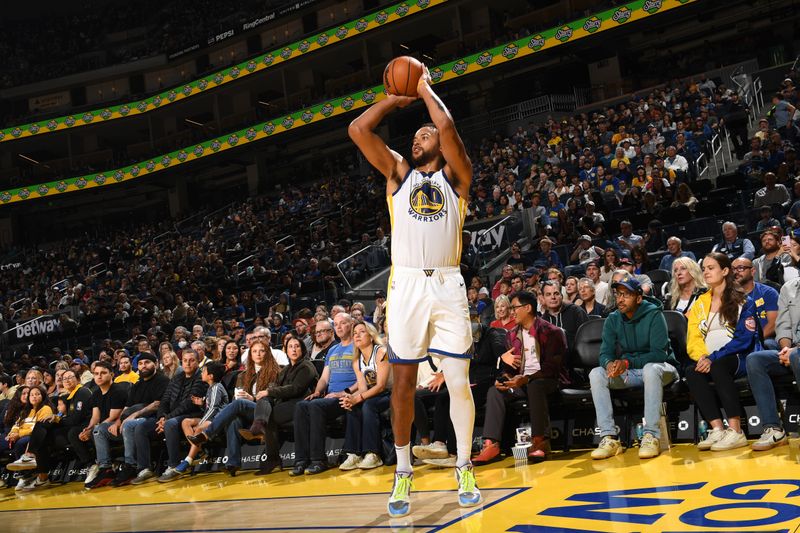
x=427, y=202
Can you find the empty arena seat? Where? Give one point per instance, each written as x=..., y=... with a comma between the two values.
x=587, y=345
x=700, y=247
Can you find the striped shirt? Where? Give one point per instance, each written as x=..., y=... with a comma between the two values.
x=216, y=399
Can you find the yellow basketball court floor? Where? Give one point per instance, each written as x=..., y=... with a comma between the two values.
x=682, y=490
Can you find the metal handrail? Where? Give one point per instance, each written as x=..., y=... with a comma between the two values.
x=158, y=238
x=698, y=161
x=289, y=247
x=212, y=213
x=34, y=319
x=238, y=272
x=55, y=286
x=317, y=222
x=340, y=263
x=95, y=270
x=482, y=233
x=20, y=301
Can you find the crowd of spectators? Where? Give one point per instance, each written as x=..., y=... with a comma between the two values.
x=187, y=314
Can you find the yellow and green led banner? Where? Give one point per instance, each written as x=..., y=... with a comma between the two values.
x=224, y=76
x=512, y=51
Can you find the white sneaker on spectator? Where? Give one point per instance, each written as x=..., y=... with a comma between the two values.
x=434, y=450
x=449, y=462
x=770, y=438
x=37, y=484
x=712, y=437
x=351, y=463
x=144, y=476
x=91, y=473
x=370, y=461
x=731, y=440
x=26, y=462
x=24, y=482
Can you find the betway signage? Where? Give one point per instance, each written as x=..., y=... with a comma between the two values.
x=42, y=325
x=489, y=237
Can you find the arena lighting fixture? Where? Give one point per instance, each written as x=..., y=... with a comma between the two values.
x=190, y=121
x=404, y=47
x=429, y=58
x=265, y=104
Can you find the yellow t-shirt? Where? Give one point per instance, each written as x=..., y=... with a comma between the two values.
x=615, y=161
x=555, y=141
x=24, y=426
x=130, y=377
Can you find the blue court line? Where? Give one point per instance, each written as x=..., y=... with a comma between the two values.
x=479, y=509
x=283, y=528
x=244, y=500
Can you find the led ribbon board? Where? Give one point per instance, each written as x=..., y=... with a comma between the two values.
x=498, y=55
x=224, y=76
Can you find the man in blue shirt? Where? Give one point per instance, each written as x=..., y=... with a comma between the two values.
x=675, y=251
x=312, y=414
x=765, y=298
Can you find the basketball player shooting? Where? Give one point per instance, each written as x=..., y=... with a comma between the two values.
x=427, y=312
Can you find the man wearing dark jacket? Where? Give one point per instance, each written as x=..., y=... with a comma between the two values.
x=568, y=316
x=139, y=422
x=66, y=431
x=529, y=370
x=645, y=359
x=177, y=404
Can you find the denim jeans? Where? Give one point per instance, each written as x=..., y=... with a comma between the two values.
x=20, y=446
x=102, y=443
x=233, y=417
x=136, y=435
x=310, y=418
x=761, y=367
x=173, y=434
x=363, y=430
x=652, y=377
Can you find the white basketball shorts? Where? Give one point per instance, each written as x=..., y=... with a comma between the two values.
x=427, y=314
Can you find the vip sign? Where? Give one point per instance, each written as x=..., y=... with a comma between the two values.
x=769, y=504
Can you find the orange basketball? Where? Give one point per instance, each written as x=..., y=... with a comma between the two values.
x=401, y=76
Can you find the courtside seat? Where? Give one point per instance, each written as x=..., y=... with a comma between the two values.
x=587, y=344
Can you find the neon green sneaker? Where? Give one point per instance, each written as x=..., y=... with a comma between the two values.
x=400, y=500
x=468, y=493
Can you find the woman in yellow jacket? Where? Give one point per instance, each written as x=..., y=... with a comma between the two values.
x=722, y=332
x=18, y=437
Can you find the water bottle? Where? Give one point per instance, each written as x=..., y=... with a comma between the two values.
x=639, y=431
x=702, y=429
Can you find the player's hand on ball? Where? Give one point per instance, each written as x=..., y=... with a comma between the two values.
x=402, y=101
x=425, y=78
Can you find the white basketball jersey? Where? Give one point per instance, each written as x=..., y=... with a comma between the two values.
x=427, y=217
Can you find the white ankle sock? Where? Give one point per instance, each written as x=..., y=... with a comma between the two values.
x=403, y=458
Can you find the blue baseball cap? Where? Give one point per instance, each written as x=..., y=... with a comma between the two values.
x=630, y=283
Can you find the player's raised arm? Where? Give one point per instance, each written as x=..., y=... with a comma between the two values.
x=361, y=130
x=455, y=154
